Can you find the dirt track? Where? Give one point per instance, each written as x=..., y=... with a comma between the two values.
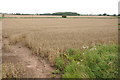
x=35, y=67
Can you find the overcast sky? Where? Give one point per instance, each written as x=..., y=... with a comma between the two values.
x=51, y=6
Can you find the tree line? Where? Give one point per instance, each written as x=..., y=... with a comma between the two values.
x=65, y=14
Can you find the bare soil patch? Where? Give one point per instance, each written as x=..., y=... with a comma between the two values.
x=35, y=67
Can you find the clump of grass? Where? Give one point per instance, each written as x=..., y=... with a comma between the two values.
x=10, y=70
x=96, y=62
x=6, y=48
x=5, y=35
x=51, y=57
x=56, y=71
x=16, y=38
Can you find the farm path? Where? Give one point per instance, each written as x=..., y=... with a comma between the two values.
x=35, y=67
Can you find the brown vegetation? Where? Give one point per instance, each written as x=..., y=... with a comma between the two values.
x=49, y=37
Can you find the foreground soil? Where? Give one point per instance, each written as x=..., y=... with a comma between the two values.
x=35, y=67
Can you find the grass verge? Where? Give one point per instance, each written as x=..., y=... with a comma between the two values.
x=96, y=62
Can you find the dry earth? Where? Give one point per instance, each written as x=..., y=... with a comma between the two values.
x=35, y=67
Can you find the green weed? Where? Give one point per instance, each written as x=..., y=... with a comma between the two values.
x=96, y=62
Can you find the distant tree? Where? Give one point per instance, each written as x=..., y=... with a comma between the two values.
x=104, y=14
x=118, y=14
x=37, y=14
x=66, y=13
x=114, y=14
x=18, y=14
x=64, y=16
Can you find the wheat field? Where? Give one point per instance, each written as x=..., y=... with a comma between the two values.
x=50, y=37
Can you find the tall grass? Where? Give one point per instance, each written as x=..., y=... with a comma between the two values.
x=49, y=45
